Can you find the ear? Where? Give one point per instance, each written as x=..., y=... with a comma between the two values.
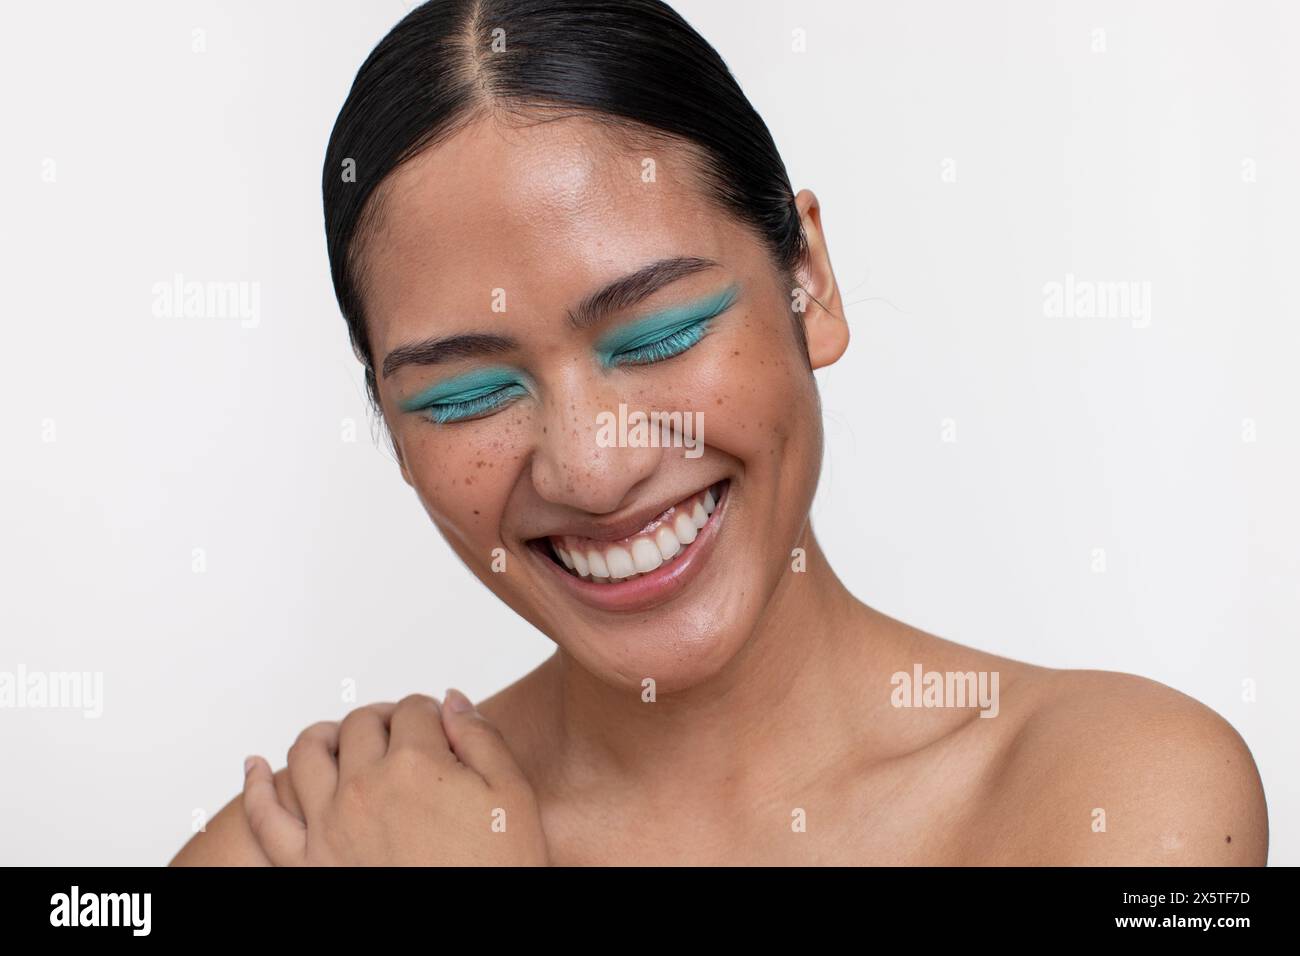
x=825, y=328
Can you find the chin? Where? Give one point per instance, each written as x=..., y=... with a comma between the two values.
x=676, y=656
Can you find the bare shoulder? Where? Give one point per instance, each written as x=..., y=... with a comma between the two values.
x=1110, y=769
x=228, y=840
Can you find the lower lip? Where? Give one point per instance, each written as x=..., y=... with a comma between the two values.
x=648, y=590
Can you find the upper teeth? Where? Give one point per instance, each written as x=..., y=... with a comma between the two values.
x=603, y=561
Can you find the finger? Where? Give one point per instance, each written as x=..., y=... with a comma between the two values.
x=417, y=723
x=478, y=743
x=282, y=836
x=363, y=738
x=284, y=790
x=313, y=767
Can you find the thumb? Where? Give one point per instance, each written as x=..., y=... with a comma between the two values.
x=477, y=742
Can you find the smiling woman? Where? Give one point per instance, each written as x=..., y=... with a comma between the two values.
x=539, y=212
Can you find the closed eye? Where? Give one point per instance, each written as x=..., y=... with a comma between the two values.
x=667, y=335
x=474, y=406
x=673, y=344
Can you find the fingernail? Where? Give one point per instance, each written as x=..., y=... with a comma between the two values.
x=248, y=764
x=457, y=701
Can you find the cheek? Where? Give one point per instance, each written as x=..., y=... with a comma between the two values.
x=463, y=475
x=759, y=400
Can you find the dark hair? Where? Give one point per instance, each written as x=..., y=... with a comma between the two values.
x=635, y=64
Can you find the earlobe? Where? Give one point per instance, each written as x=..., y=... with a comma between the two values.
x=825, y=329
x=828, y=337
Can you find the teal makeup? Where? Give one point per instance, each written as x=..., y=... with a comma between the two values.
x=664, y=334
x=652, y=338
x=471, y=395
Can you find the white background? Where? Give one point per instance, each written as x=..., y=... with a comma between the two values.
x=171, y=435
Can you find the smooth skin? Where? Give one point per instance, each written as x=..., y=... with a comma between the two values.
x=773, y=695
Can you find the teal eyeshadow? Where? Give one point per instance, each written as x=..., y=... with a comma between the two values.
x=462, y=388
x=660, y=325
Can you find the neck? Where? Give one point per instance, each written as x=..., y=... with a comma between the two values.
x=796, y=699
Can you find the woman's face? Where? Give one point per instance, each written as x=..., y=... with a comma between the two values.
x=502, y=380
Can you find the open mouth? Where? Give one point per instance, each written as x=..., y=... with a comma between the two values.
x=666, y=540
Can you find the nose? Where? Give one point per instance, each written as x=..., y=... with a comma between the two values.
x=578, y=459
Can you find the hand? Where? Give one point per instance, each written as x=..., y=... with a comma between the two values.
x=406, y=784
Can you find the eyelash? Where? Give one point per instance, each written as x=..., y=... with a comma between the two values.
x=446, y=413
x=668, y=347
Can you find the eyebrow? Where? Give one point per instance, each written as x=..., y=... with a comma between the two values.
x=632, y=288
x=620, y=294
x=437, y=350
